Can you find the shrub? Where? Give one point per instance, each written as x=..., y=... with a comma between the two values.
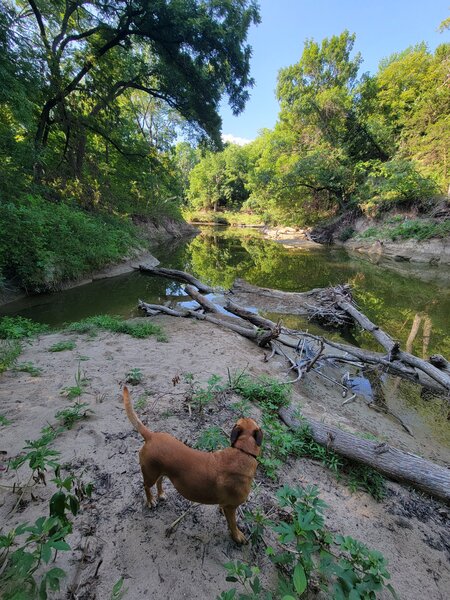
x=397, y=183
x=17, y=328
x=47, y=243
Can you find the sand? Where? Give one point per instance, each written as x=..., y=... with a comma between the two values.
x=116, y=535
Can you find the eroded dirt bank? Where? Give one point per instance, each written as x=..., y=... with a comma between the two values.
x=115, y=535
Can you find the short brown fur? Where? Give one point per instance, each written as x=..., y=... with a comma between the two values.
x=223, y=477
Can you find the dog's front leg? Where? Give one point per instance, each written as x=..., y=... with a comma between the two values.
x=236, y=534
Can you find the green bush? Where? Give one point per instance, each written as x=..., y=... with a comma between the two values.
x=18, y=328
x=45, y=243
x=396, y=183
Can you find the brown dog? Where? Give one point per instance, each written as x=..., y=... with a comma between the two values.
x=223, y=477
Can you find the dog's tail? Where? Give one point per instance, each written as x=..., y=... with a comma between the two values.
x=136, y=422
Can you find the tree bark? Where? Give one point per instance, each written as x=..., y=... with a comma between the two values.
x=395, y=464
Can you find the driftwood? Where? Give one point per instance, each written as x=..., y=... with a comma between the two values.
x=392, y=462
x=395, y=464
x=392, y=347
x=318, y=304
x=178, y=276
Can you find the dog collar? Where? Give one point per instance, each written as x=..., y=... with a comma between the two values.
x=245, y=452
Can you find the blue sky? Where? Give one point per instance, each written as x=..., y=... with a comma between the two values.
x=381, y=26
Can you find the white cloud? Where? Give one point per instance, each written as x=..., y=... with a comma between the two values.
x=233, y=139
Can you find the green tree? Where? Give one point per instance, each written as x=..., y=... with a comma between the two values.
x=187, y=53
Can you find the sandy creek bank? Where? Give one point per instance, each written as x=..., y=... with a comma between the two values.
x=115, y=535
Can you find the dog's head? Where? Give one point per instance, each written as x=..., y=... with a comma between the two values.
x=247, y=436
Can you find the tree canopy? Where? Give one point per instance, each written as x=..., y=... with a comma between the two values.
x=345, y=139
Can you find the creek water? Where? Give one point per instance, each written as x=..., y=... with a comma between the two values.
x=412, y=307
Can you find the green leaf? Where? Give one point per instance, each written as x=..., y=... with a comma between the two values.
x=60, y=545
x=74, y=505
x=46, y=552
x=299, y=579
x=58, y=505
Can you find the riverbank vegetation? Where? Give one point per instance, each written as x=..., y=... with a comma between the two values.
x=93, y=101
x=345, y=141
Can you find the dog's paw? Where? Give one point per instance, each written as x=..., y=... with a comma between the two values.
x=239, y=537
x=152, y=504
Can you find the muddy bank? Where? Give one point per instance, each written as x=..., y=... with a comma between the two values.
x=434, y=252
x=115, y=535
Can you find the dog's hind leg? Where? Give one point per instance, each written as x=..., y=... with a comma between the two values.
x=236, y=534
x=161, y=494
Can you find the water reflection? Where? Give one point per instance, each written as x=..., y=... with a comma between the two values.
x=411, y=310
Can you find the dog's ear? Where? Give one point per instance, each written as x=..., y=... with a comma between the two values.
x=235, y=433
x=258, y=435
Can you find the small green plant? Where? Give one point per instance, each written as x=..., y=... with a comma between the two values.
x=28, y=367
x=39, y=456
x=74, y=391
x=61, y=346
x=343, y=566
x=118, y=592
x=4, y=420
x=70, y=415
x=268, y=392
x=118, y=325
x=43, y=539
x=247, y=576
x=346, y=233
x=18, y=328
x=134, y=376
x=141, y=402
x=10, y=350
x=212, y=438
x=199, y=397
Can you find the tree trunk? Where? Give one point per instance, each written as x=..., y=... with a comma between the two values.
x=395, y=464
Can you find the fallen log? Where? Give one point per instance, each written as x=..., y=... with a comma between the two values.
x=395, y=464
x=261, y=336
x=396, y=362
x=393, y=347
x=177, y=275
x=318, y=304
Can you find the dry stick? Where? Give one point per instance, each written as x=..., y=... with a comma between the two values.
x=178, y=276
x=173, y=525
x=398, y=465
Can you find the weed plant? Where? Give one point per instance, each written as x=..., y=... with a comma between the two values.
x=341, y=567
x=74, y=391
x=28, y=367
x=28, y=550
x=61, y=346
x=117, y=325
x=212, y=439
x=10, y=350
x=19, y=328
x=134, y=376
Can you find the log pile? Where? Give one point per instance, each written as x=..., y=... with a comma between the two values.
x=306, y=352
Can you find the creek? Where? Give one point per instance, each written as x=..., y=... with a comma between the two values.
x=411, y=308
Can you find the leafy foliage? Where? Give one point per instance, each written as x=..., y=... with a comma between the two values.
x=117, y=325
x=61, y=346
x=342, y=141
x=18, y=328
x=344, y=567
x=211, y=439
x=10, y=350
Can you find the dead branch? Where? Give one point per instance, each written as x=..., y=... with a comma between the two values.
x=177, y=275
x=393, y=347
